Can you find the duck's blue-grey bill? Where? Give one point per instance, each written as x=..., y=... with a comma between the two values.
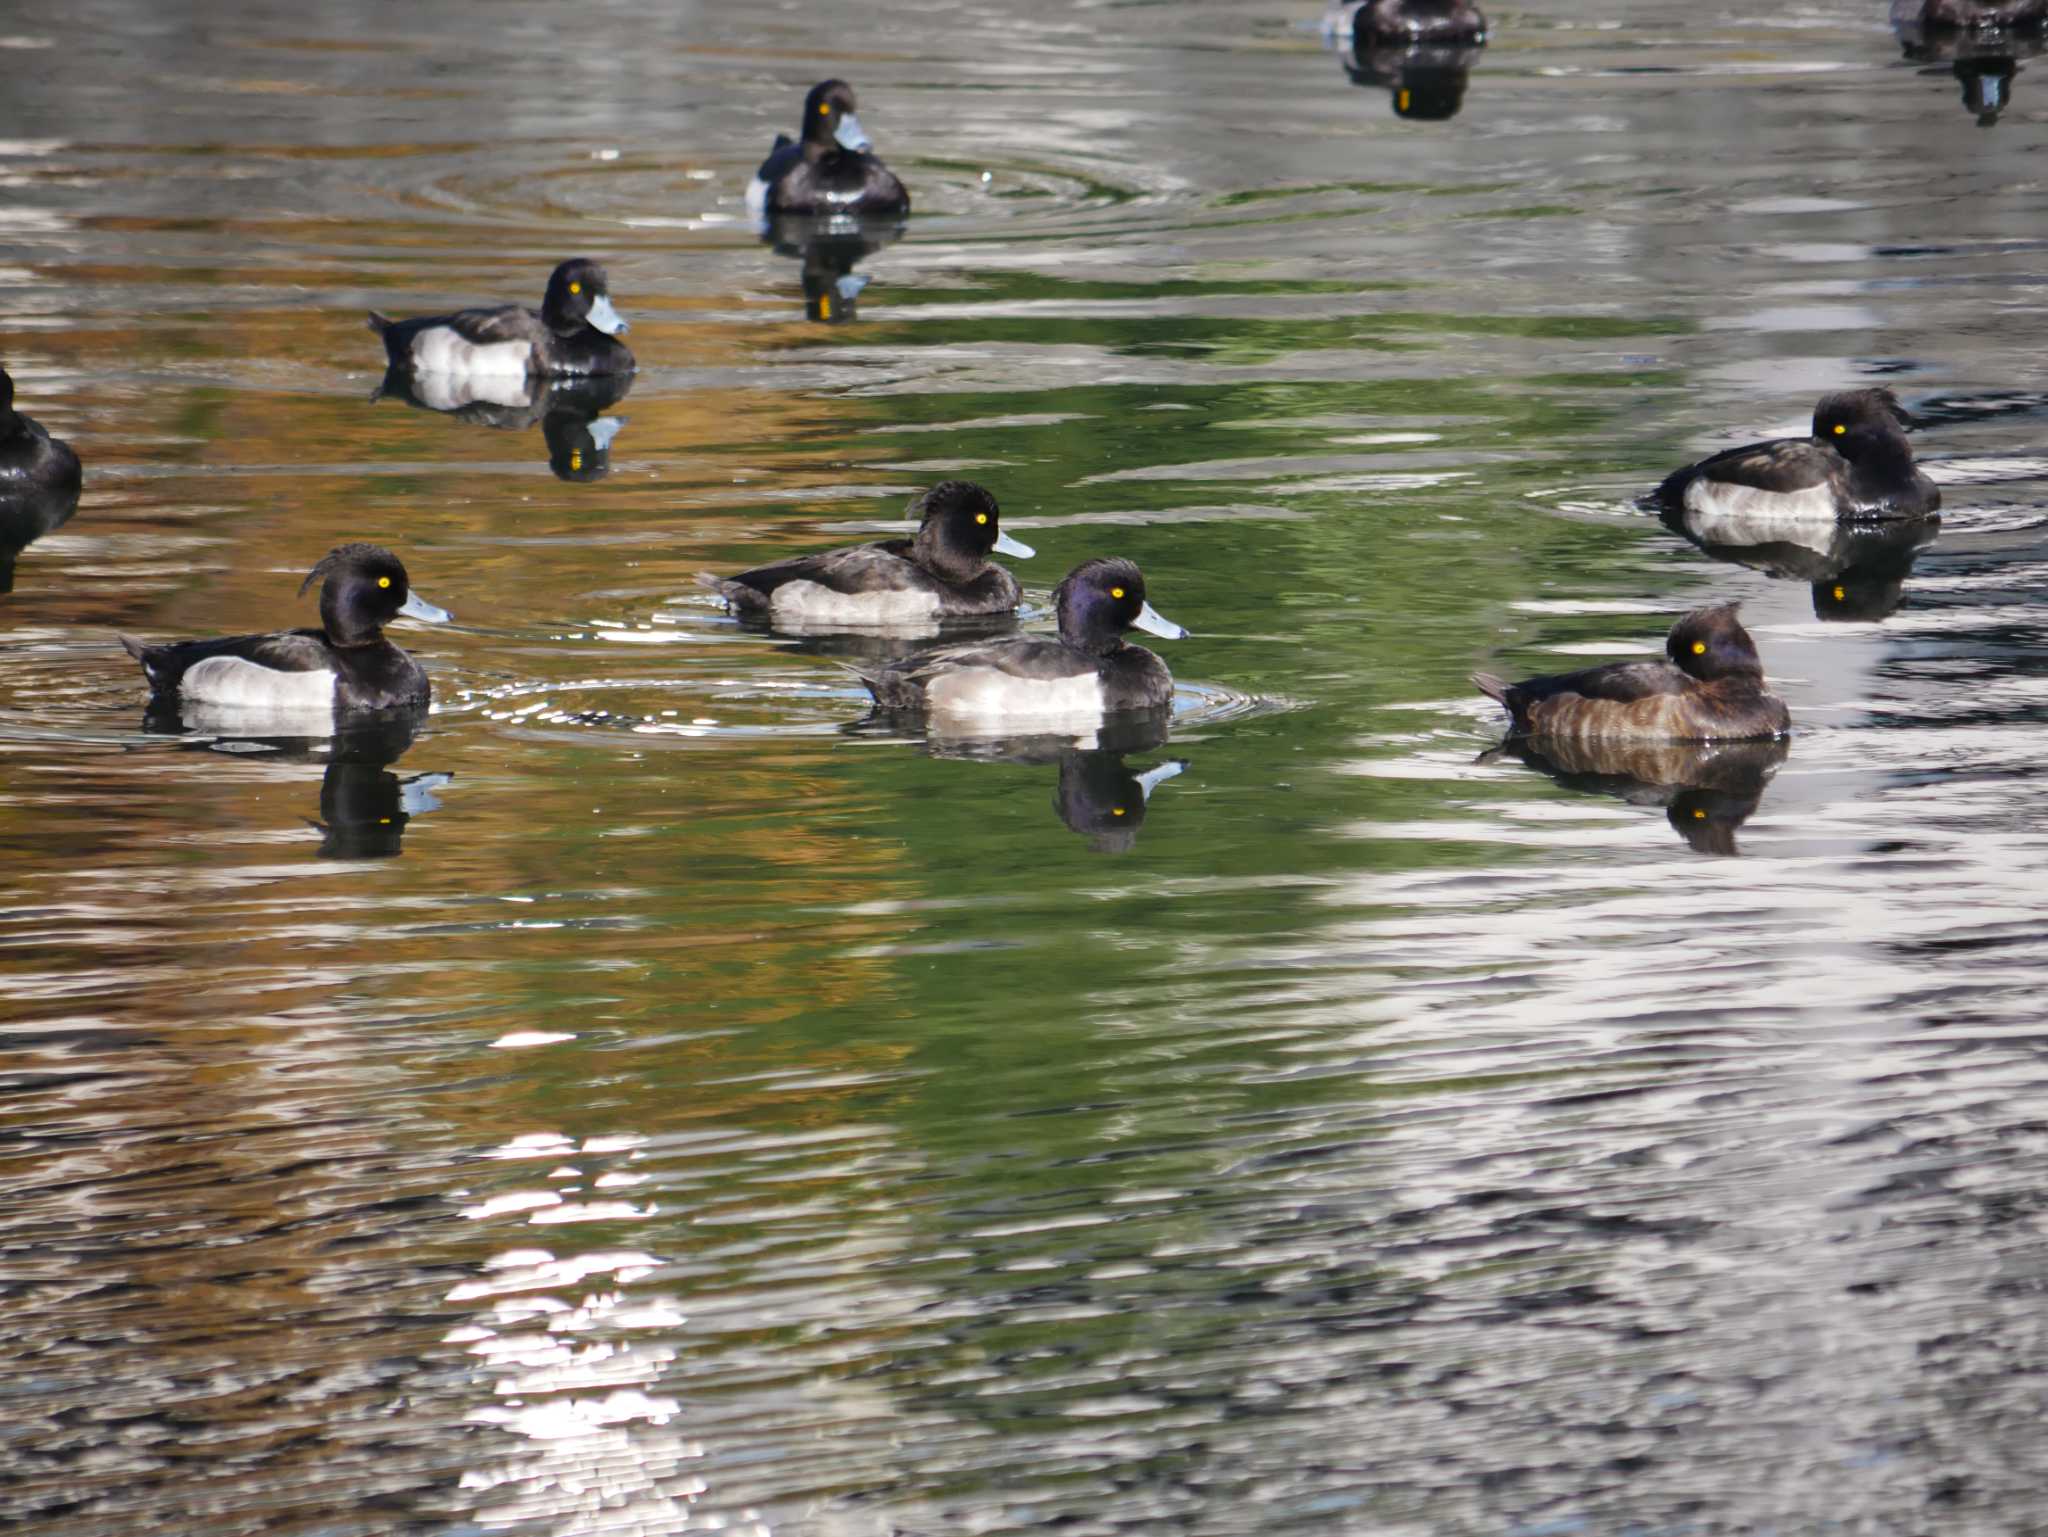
x=1152, y=622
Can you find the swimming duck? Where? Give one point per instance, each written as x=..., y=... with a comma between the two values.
x=826, y=169
x=39, y=482
x=1710, y=688
x=571, y=333
x=942, y=571
x=345, y=665
x=1857, y=464
x=1087, y=673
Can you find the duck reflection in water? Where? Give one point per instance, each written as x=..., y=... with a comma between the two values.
x=1982, y=42
x=1857, y=571
x=364, y=807
x=1707, y=789
x=829, y=246
x=569, y=410
x=1419, y=51
x=1097, y=794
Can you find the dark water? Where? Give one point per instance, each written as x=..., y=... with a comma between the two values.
x=646, y=1105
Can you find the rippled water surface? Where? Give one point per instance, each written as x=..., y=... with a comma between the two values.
x=657, y=1101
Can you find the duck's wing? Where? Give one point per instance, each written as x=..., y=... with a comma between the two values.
x=419, y=343
x=786, y=153
x=498, y=323
x=860, y=568
x=280, y=651
x=1028, y=658
x=1784, y=465
x=1619, y=682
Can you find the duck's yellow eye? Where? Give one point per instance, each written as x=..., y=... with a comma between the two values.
x=383, y=581
x=1699, y=816
x=1116, y=592
x=1840, y=428
x=575, y=459
x=824, y=109
x=1699, y=648
x=981, y=517
x=575, y=288
x=1116, y=811
x=1841, y=593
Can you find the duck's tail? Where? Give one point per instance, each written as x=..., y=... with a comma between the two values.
x=380, y=323
x=1493, y=688
x=140, y=650
x=744, y=599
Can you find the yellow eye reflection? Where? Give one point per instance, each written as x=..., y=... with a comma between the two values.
x=575, y=459
x=981, y=517
x=383, y=581
x=1841, y=593
x=1840, y=428
x=1116, y=592
x=1699, y=648
x=575, y=288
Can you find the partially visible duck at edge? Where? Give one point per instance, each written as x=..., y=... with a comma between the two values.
x=941, y=571
x=1709, y=688
x=1973, y=15
x=1085, y=674
x=827, y=168
x=345, y=665
x=573, y=332
x=39, y=482
x=1857, y=464
x=1387, y=23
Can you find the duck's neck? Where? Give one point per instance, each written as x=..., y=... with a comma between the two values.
x=1883, y=463
x=1092, y=639
x=341, y=632
x=944, y=562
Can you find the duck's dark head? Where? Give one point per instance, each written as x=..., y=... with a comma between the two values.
x=1859, y=421
x=960, y=528
x=1100, y=599
x=365, y=588
x=1710, y=644
x=829, y=121
x=580, y=295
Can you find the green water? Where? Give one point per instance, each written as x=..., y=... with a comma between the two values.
x=702, y=1110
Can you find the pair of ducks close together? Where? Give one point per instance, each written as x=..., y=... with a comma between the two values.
x=1709, y=687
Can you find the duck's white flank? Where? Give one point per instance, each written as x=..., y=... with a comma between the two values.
x=241, y=684
x=815, y=603
x=443, y=350
x=989, y=695
x=1719, y=499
